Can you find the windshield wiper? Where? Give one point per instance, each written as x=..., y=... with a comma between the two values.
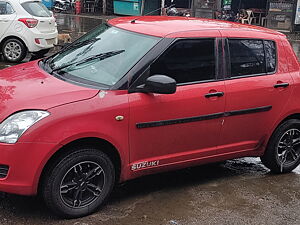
x=80, y=43
x=99, y=57
x=74, y=44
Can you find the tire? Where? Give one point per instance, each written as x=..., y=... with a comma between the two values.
x=78, y=183
x=283, y=151
x=13, y=50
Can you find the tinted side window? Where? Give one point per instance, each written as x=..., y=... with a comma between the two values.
x=271, y=56
x=5, y=8
x=188, y=61
x=247, y=57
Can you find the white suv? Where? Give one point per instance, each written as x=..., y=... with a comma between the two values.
x=25, y=26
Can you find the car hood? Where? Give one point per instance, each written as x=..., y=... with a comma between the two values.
x=27, y=86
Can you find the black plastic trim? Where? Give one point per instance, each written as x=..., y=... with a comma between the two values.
x=283, y=85
x=248, y=111
x=177, y=121
x=138, y=74
x=201, y=118
x=3, y=171
x=215, y=94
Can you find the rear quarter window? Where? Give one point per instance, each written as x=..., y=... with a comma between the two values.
x=271, y=56
x=36, y=9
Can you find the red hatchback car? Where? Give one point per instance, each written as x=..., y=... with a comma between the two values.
x=144, y=95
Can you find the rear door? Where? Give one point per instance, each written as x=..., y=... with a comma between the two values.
x=7, y=16
x=257, y=88
x=39, y=11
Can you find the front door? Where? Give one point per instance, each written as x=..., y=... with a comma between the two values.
x=177, y=129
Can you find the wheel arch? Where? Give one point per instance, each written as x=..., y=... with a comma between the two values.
x=95, y=142
x=292, y=116
x=12, y=37
x=289, y=117
x=269, y=159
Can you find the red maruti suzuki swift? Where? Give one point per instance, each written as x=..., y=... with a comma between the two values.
x=144, y=95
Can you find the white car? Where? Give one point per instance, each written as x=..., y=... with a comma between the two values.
x=26, y=26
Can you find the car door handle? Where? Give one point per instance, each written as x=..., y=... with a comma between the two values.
x=283, y=85
x=214, y=94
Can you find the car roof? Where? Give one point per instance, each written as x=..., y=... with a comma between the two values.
x=162, y=26
x=22, y=1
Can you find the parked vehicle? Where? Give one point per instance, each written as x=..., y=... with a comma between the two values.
x=26, y=26
x=143, y=95
x=64, y=5
x=173, y=11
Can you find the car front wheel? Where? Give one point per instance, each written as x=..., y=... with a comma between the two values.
x=79, y=183
x=283, y=151
x=13, y=50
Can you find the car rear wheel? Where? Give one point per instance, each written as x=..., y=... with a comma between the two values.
x=79, y=183
x=13, y=50
x=283, y=151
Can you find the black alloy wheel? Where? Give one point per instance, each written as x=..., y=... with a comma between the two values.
x=283, y=151
x=82, y=184
x=288, y=148
x=78, y=183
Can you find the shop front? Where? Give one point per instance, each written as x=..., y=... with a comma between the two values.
x=281, y=14
x=137, y=7
x=206, y=8
x=274, y=14
x=97, y=7
x=211, y=8
x=246, y=11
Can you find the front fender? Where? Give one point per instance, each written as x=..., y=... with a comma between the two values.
x=93, y=118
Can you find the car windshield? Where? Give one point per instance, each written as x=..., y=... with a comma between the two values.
x=36, y=9
x=101, y=57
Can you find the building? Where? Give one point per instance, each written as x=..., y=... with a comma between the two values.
x=104, y=7
x=276, y=14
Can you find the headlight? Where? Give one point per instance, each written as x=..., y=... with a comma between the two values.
x=14, y=126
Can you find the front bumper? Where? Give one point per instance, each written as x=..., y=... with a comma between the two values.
x=25, y=161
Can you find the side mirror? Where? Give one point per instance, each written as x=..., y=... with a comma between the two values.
x=159, y=84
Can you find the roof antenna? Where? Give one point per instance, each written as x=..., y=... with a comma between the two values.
x=134, y=20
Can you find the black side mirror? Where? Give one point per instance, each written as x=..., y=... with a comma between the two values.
x=159, y=84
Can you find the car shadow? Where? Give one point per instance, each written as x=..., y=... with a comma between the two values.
x=20, y=208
